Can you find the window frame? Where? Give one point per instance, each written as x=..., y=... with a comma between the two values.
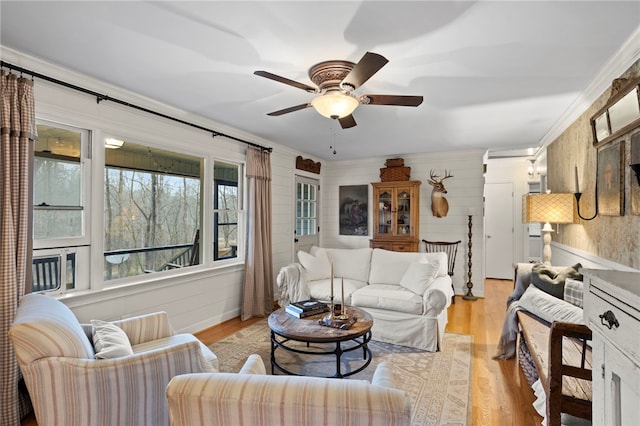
x=85, y=192
x=240, y=213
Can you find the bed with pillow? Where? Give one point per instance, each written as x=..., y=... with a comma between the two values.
x=407, y=294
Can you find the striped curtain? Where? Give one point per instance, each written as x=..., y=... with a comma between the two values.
x=18, y=132
x=257, y=294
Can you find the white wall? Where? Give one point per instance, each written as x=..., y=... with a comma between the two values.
x=464, y=191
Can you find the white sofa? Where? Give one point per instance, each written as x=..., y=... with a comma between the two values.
x=253, y=398
x=407, y=294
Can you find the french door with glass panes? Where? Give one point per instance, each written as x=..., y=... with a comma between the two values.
x=306, y=226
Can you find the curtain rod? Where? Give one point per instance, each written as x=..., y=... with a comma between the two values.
x=102, y=97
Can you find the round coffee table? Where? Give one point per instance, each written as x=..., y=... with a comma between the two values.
x=286, y=329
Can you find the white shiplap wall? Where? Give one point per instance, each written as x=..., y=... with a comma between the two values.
x=464, y=192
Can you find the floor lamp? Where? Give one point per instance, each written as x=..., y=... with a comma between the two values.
x=548, y=208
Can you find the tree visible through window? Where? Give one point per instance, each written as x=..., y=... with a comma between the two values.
x=152, y=210
x=226, y=207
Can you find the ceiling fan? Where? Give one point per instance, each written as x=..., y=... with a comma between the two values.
x=336, y=81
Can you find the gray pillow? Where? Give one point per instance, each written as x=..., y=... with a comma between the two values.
x=550, y=279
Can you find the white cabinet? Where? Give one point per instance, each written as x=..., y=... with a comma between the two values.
x=612, y=312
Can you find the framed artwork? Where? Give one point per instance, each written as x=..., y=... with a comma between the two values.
x=634, y=181
x=610, y=180
x=353, y=214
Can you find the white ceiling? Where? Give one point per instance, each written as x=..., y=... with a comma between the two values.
x=493, y=74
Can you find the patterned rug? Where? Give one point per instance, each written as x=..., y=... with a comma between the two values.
x=438, y=383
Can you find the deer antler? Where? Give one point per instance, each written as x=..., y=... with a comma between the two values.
x=434, y=177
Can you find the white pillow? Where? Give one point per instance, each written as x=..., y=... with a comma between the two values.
x=317, y=267
x=419, y=276
x=548, y=307
x=109, y=340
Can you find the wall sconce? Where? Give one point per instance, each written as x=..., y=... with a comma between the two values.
x=547, y=208
x=578, y=195
x=532, y=169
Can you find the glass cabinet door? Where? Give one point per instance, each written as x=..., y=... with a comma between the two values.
x=384, y=210
x=404, y=213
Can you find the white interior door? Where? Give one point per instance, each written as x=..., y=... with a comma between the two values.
x=307, y=205
x=498, y=222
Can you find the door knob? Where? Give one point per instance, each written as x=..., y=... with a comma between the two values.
x=295, y=240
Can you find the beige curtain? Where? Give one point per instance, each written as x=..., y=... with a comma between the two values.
x=18, y=132
x=257, y=294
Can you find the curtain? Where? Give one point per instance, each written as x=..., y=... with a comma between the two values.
x=257, y=292
x=17, y=133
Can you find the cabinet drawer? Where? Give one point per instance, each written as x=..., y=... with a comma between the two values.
x=406, y=247
x=614, y=321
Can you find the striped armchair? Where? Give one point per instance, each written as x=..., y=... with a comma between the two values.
x=253, y=398
x=69, y=386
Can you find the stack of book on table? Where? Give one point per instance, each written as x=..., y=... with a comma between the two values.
x=306, y=308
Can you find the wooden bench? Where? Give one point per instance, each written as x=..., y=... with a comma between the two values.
x=563, y=363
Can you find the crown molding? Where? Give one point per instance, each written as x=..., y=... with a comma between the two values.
x=620, y=62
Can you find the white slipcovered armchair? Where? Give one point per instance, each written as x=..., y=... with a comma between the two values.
x=253, y=398
x=69, y=386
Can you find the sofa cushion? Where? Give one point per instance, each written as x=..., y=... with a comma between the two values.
x=550, y=279
x=548, y=307
x=109, y=340
x=178, y=339
x=419, y=276
x=351, y=263
x=388, y=267
x=316, y=266
x=321, y=289
x=388, y=297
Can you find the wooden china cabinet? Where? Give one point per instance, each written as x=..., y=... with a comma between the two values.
x=396, y=215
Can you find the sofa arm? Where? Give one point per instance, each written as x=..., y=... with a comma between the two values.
x=145, y=328
x=437, y=297
x=383, y=376
x=253, y=365
x=292, y=286
x=127, y=390
x=249, y=399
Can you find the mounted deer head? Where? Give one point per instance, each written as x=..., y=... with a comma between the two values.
x=439, y=204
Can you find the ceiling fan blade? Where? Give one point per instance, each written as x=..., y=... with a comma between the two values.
x=288, y=110
x=284, y=80
x=368, y=65
x=399, y=100
x=347, y=122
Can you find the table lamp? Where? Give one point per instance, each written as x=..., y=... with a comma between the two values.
x=548, y=208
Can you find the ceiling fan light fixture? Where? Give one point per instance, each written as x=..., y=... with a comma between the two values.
x=335, y=104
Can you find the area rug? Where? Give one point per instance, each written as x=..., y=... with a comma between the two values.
x=438, y=383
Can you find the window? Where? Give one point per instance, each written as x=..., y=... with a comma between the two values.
x=61, y=179
x=226, y=210
x=58, y=200
x=306, y=203
x=151, y=209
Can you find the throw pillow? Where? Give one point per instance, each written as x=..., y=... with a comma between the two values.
x=549, y=308
x=109, y=340
x=419, y=276
x=550, y=279
x=573, y=291
x=316, y=267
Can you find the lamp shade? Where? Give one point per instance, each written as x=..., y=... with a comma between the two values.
x=548, y=208
x=335, y=104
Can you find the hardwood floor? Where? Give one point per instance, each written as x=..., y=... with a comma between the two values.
x=501, y=395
